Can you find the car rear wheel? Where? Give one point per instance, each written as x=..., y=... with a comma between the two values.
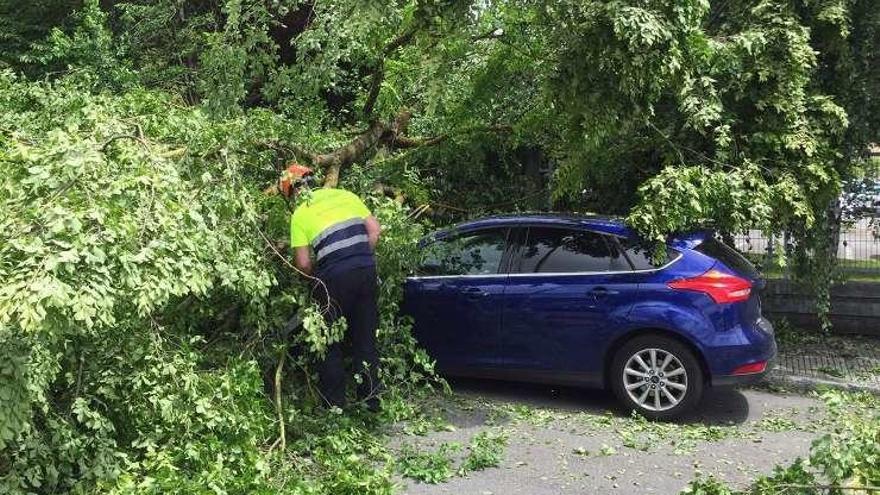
x=656, y=376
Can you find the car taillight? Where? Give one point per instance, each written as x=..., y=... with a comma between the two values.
x=751, y=368
x=721, y=287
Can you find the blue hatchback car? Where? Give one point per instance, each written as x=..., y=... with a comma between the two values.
x=580, y=300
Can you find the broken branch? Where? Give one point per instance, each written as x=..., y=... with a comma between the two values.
x=407, y=142
x=389, y=133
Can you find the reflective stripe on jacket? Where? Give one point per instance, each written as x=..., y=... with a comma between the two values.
x=332, y=222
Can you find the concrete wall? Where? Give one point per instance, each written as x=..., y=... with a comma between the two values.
x=855, y=306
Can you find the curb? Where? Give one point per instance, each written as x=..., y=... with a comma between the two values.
x=808, y=384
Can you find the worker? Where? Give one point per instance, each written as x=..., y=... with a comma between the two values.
x=336, y=228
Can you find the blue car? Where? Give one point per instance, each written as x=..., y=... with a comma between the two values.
x=581, y=300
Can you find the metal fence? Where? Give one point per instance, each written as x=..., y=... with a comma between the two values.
x=858, y=252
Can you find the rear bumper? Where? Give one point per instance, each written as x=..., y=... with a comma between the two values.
x=737, y=380
x=767, y=354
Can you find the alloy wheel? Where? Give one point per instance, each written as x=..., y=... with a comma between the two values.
x=655, y=379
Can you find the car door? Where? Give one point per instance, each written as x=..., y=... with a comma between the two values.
x=456, y=299
x=569, y=289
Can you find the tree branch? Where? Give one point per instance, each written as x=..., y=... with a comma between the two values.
x=379, y=73
x=398, y=42
x=375, y=87
x=279, y=406
x=334, y=161
x=391, y=134
x=403, y=142
x=493, y=34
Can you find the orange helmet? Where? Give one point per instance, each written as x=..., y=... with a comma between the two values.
x=293, y=177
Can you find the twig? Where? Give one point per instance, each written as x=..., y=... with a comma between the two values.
x=318, y=282
x=274, y=444
x=311, y=388
x=79, y=374
x=668, y=140
x=279, y=407
x=450, y=207
x=418, y=211
x=289, y=264
x=679, y=147
x=123, y=136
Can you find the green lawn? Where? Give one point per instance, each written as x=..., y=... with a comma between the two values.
x=855, y=270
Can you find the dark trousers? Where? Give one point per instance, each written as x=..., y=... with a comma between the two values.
x=352, y=294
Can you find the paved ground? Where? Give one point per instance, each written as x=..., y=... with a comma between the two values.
x=849, y=362
x=574, y=441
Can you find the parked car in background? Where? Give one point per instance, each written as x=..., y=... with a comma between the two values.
x=862, y=199
x=582, y=301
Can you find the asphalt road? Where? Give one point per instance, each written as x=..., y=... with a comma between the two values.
x=574, y=441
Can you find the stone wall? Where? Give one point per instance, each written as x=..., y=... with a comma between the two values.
x=855, y=306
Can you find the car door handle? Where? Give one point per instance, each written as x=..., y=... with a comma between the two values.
x=600, y=292
x=474, y=292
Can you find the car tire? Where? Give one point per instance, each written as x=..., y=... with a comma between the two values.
x=652, y=389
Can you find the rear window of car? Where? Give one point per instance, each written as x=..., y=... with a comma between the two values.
x=642, y=254
x=714, y=248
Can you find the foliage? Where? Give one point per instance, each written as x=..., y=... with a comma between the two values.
x=636, y=432
x=848, y=456
x=850, y=453
x=141, y=301
x=23, y=23
x=333, y=453
x=485, y=450
x=728, y=114
x=707, y=486
x=90, y=44
x=747, y=113
x=144, y=289
x=427, y=467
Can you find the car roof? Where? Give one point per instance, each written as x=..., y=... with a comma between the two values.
x=599, y=223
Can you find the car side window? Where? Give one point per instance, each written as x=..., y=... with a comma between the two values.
x=642, y=254
x=560, y=250
x=475, y=253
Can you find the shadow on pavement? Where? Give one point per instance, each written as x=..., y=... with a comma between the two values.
x=719, y=406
